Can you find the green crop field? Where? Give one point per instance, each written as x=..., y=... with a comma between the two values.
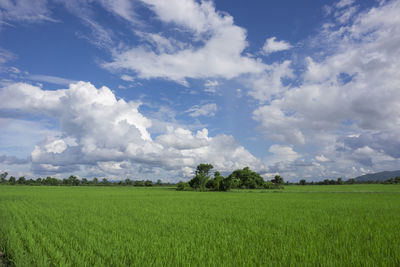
x=348, y=225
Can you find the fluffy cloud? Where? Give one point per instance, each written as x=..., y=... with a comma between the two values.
x=219, y=55
x=282, y=153
x=271, y=45
x=100, y=133
x=352, y=90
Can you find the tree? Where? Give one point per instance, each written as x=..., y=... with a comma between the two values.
x=351, y=181
x=278, y=180
x=246, y=177
x=12, y=180
x=339, y=180
x=3, y=177
x=138, y=183
x=181, y=186
x=216, y=183
x=201, y=177
x=95, y=181
x=73, y=180
x=302, y=182
x=159, y=182
x=128, y=181
x=148, y=183
x=21, y=180
x=104, y=181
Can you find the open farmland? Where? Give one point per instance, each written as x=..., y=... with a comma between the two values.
x=349, y=225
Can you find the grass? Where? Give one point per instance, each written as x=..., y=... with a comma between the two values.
x=350, y=225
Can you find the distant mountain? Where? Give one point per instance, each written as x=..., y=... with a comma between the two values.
x=379, y=176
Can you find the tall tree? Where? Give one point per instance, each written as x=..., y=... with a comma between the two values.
x=3, y=177
x=201, y=177
x=277, y=180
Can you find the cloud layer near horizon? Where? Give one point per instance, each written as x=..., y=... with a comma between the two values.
x=97, y=130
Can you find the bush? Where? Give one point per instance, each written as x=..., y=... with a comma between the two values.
x=181, y=186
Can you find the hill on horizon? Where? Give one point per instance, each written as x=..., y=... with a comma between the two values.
x=379, y=176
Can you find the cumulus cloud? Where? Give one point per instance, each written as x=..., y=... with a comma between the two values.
x=352, y=90
x=219, y=55
x=271, y=45
x=268, y=84
x=99, y=132
x=208, y=110
x=281, y=153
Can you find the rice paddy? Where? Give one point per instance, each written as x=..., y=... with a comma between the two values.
x=348, y=225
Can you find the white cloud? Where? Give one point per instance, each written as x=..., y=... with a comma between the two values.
x=271, y=46
x=321, y=158
x=208, y=110
x=96, y=129
x=25, y=10
x=344, y=3
x=127, y=78
x=5, y=56
x=220, y=54
x=269, y=83
x=211, y=86
x=281, y=153
x=352, y=89
x=122, y=8
x=50, y=79
x=345, y=15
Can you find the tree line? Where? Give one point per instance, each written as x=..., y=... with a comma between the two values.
x=240, y=178
x=73, y=181
x=340, y=181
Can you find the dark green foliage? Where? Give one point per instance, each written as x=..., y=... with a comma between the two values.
x=138, y=183
x=3, y=178
x=181, y=186
x=148, y=183
x=159, y=182
x=241, y=178
x=201, y=177
x=277, y=180
x=203, y=169
x=73, y=180
x=12, y=180
x=247, y=178
x=302, y=182
x=216, y=183
x=21, y=180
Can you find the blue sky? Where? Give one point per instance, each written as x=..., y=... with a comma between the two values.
x=149, y=88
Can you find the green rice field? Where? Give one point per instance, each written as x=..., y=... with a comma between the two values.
x=345, y=225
